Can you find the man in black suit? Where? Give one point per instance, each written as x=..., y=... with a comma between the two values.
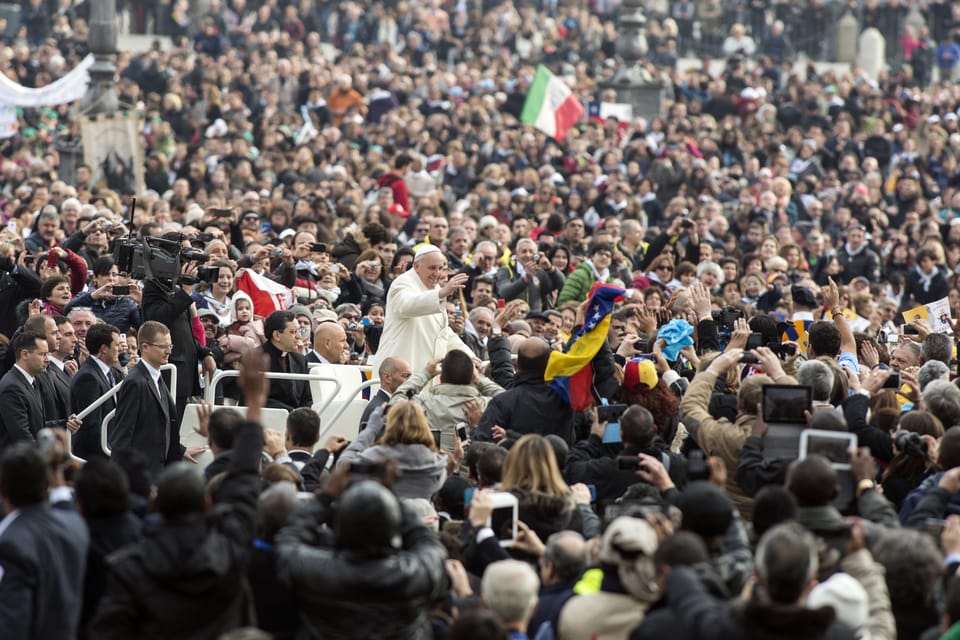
x=43, y=549
x=21, y=406
x=54, y=383
x=146, y=417
x=280, y=328
x=300, y=438
x=393, y=372
x=94, y=378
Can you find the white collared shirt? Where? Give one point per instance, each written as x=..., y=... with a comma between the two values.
x=155, y=374
x=25, y=374
x=104, y=369
x=57, y=363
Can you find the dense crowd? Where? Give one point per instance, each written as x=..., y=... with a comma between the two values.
x=347, y=184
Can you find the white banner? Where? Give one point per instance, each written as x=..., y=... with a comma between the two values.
x=67, y=89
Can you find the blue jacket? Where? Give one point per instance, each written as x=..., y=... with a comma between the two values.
x=914, y=497
x=123, y=313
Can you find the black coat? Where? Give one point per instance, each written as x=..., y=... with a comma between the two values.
x=344, y=594
x=915, y=295
x=185, y=579
x=55, y=391
x=107, y=534
x=21, y=409
x=288, y=394
x=87, y=385
x=43, y=554
x=706, y=618
x=146, y=422
x=529, y=406
x=15, y=286
x=175, y=315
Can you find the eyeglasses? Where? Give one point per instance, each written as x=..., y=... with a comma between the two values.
x=162, y=347
x=665, y=267
x=349, y=316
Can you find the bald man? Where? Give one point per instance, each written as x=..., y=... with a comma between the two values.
x=528, y=405
x=415, y=326
x=393, y=372
x=329, y=344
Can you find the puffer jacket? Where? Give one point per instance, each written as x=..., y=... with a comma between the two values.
x=443, y=403
x=344, y=595
x=123, y=313
x=422, y=470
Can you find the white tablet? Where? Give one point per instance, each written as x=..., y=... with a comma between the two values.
x=832, y=445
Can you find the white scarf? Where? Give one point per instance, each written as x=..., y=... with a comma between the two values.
x=854, y=252
x=925, y=279
x=601, y=276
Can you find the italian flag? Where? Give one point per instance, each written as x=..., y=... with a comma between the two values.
x=550, y=106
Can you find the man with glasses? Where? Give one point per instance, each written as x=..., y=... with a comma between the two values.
x=146, y=417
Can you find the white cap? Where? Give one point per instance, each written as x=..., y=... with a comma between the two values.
x=425, y=251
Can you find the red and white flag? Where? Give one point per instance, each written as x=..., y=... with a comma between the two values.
x=268, y=296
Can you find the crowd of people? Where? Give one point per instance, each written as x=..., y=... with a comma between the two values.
x=347, y=184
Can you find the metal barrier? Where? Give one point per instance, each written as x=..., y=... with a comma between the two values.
x=209, y=393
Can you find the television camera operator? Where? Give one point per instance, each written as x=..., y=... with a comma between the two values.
x=169, y=268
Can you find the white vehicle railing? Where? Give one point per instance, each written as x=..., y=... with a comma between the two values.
x=209, y=394
x=331, y=423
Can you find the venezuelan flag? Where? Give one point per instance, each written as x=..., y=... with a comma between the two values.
x=570, y=374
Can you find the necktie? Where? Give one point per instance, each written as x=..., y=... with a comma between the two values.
x=165, y=401
x=284, y=365
x=110, y=379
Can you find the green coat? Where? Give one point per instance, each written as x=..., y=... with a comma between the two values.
x=578, y=284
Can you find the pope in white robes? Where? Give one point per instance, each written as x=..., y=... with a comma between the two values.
x=415, y=326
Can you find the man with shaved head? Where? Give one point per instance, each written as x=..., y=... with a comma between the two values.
x=329, y=344
x=528, y=405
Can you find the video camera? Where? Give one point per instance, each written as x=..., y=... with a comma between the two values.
x=160, y=260
x=725, y=319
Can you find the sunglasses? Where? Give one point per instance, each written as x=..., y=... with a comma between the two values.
x=664, y=267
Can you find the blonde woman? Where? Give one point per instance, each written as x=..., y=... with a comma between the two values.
x=408, y=441
x=547, y=504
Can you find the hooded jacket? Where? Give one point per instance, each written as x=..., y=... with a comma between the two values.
x=186, y=578
x=242, y=336
x=422, y=470
x=443, y=402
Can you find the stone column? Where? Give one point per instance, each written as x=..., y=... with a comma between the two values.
x=102, y=40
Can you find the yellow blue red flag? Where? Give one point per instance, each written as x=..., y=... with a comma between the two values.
x=570, y=374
